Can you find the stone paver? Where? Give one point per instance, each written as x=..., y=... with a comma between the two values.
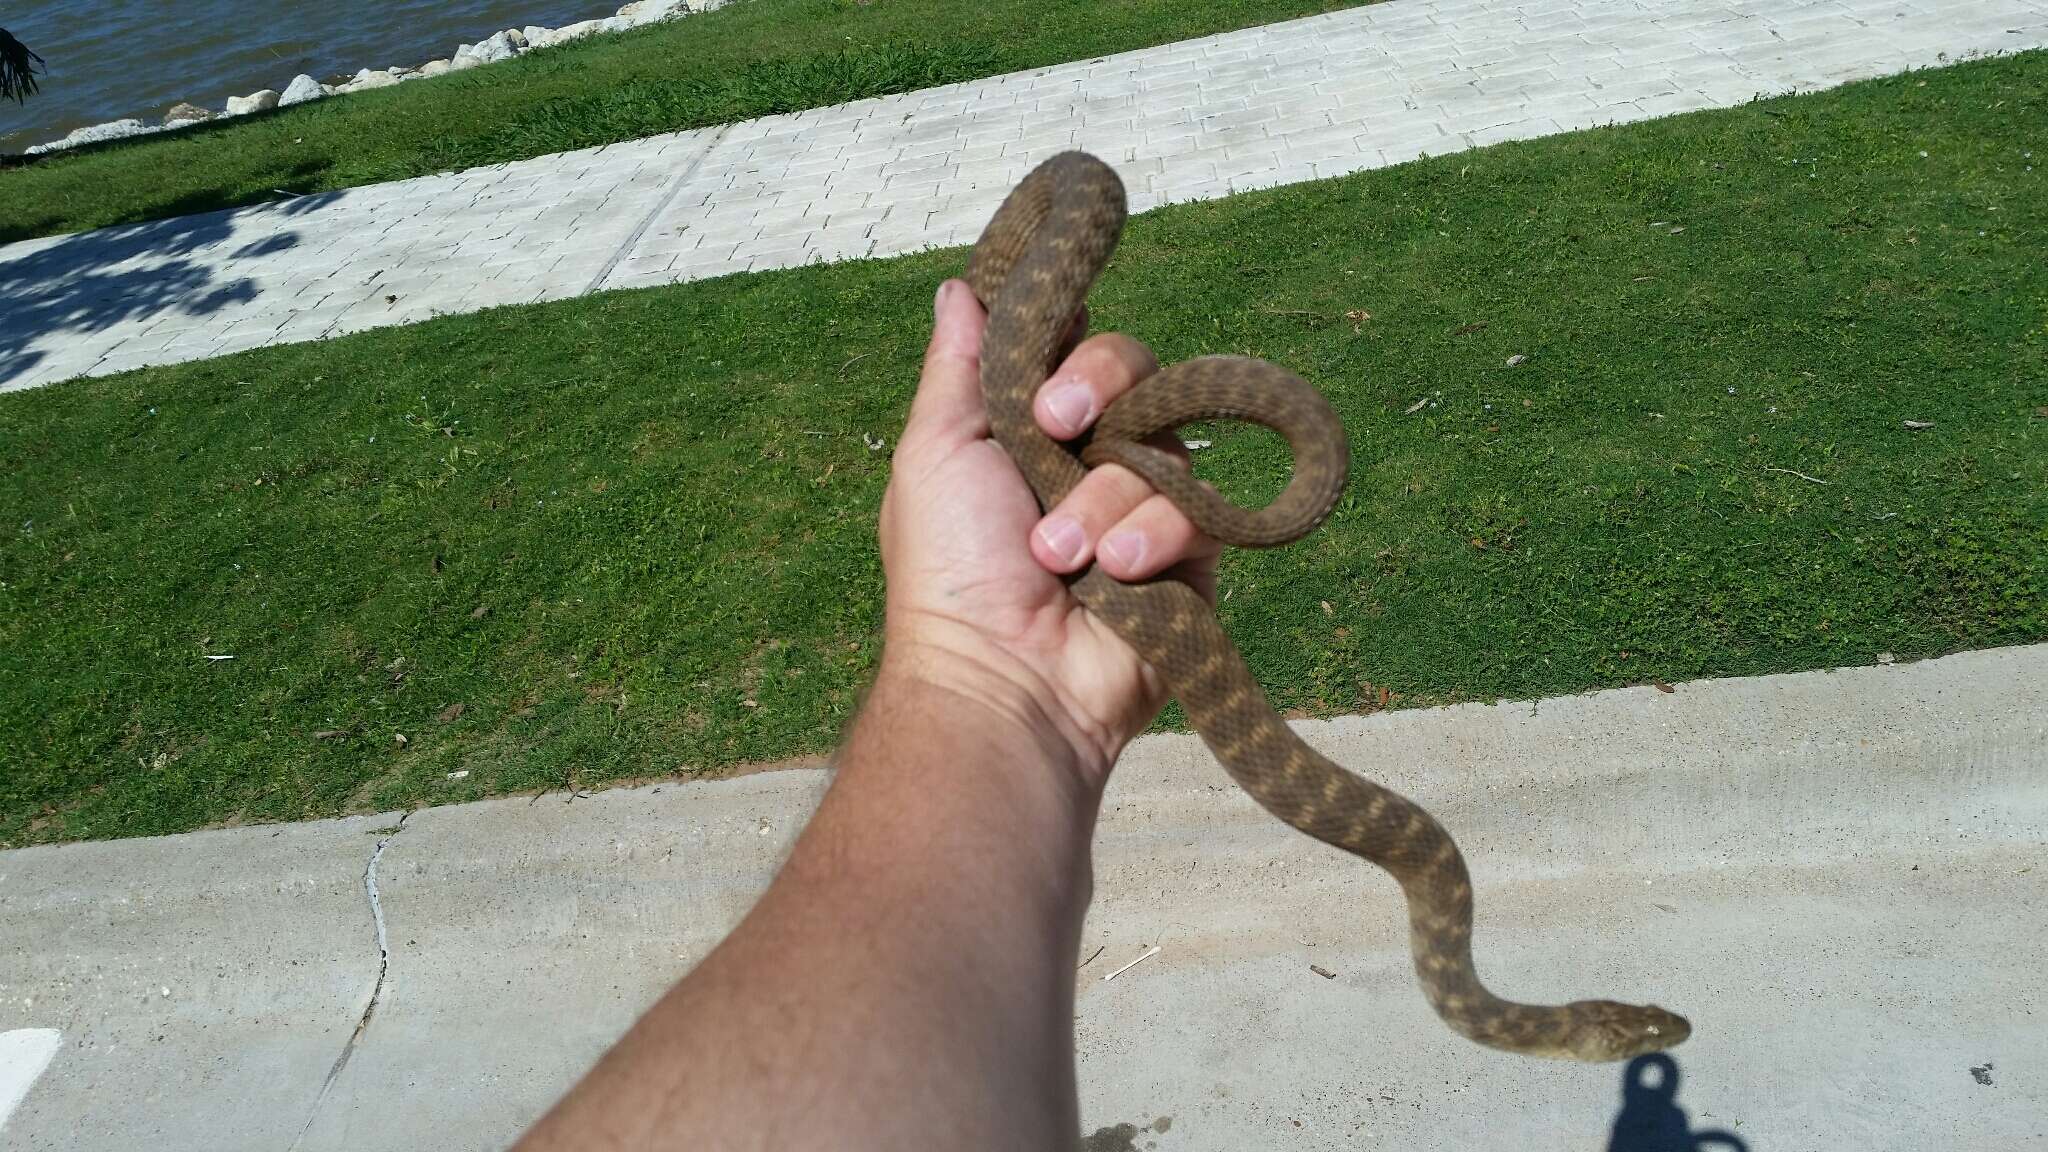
x=315, y=266
x=1307, y=99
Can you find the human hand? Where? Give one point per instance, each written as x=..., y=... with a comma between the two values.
x=976, y=603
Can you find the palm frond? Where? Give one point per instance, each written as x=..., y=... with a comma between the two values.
x=17, y=68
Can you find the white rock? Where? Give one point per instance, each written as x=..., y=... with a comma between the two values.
x=537, y=36
x=433, y=68
x=301, y=89
x=262, y=101
x=517, y=37
x=614, y=24
x=366, y=80
x=497, y=47
x=643, y=12
x=115, y=130
x=96, y=133
x=186, y=114
x=576, y=31
x=463, y=59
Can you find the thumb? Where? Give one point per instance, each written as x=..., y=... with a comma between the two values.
x=948, y=402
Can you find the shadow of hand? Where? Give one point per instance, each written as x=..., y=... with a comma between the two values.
x=1650, y=1118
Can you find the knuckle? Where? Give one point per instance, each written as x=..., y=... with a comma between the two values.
x=1122, y=358
x=1114, y=491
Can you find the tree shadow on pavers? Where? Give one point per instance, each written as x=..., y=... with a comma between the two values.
x=88, y=282
x=1650, y=1119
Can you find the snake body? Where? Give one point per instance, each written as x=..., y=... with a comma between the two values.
x=1032, y=269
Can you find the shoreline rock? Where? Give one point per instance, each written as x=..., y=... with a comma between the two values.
x=503, y=45
x=493, y=48
x=301, y=89
x=98, y=133
x=366, y=79
x=262, y=101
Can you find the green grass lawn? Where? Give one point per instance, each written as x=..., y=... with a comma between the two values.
x=752, y=58
x=631, y=534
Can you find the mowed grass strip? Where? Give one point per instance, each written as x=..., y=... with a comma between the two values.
x=632, y=534
x=752, y=58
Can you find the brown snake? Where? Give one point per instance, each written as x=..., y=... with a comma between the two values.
x=1032, y=269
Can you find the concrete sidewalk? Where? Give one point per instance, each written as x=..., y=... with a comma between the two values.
x=1838, y=876
x=1266, y=106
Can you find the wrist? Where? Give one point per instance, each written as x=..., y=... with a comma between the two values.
x=990, y=689
x=960, y=757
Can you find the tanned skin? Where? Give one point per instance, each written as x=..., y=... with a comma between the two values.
x=907, y=981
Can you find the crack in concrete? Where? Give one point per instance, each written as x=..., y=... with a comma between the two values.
x=376, y=988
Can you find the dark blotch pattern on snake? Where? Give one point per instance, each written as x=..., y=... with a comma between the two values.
x=1032, y=269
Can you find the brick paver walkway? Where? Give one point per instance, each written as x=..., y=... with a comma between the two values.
x=1289, y=102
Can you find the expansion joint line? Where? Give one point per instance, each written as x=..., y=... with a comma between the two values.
x=668, y=197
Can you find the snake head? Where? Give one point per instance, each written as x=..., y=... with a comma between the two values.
x=1604, y=1030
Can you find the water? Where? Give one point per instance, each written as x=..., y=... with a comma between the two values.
x=109, y=59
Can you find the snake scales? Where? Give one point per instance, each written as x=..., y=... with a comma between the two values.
x=1032, y=270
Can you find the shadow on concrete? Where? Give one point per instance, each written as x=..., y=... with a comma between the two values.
x=88, y=282
x=1651, y=1120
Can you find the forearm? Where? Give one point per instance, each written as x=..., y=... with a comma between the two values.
x=907, y=981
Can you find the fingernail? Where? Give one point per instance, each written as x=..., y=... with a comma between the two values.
x=1063, y=538
x=939, y=297
x=1071, y=406
x=1126, y=548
